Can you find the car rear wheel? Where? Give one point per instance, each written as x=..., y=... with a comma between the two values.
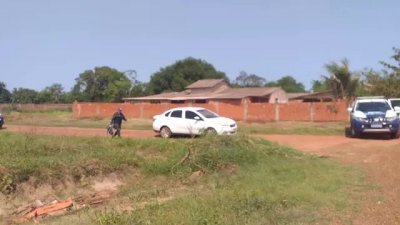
x=165, y=132
x=211, y=131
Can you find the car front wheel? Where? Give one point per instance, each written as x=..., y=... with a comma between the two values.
x=165, y=132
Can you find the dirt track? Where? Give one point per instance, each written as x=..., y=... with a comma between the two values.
x=75, y=131
x=379, y=157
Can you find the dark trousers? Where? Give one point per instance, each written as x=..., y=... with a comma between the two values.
x=117, y=129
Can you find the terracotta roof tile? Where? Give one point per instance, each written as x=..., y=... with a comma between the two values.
x=206, y=83
x=231, y=93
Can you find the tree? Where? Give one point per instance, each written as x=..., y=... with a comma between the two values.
x=24, y=95
x=52, y=94
x=248, y=80
x=288, y=83
x=319, y=85
x=394, y=70
x=386, y=83
x=138, y=90
x=5, y=95
x=181, y=74
x=103, y=84
x=341, y=80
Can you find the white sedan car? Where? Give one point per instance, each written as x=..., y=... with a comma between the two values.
x=192, y=121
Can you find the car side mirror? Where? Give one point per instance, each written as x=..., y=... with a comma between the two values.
x=397, y=108
x=349, y=109
x=197, y=118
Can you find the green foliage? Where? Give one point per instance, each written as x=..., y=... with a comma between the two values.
x=394, y=70
x=5, y=95
x=24, y=95
x=341, y=81
x=103, y=84
x=138, y=90
x=182, y=73
x=248, y=80
x=386, y=83
x=288, y=83
x=319, y=86
x=52, y=94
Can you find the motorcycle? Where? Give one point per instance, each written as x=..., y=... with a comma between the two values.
x=1, y=121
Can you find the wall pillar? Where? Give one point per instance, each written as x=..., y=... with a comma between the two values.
x=141, y=110
x=312, y=112
x=277, y=112
x=216, y=103
x=245, y=109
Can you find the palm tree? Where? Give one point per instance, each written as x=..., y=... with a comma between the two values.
x=341, y=80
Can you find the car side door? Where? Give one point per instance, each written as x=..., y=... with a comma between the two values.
x=177, y=122
x=194, y=123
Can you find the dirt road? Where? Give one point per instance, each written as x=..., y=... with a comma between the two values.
x=379, y=157
x=75, y=131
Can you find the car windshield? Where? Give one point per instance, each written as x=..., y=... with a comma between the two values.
x=207, y=114
x=395, y=103
x=373, y=107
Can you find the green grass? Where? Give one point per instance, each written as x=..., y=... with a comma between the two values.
x=65, y=119
x=270, y=184
x=309, y=128
x=52, y=158
x=273, y=185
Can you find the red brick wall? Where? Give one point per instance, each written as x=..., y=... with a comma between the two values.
x=36, y=107
x=330, y=111
x=261, y=112
x=292, y=111
x=295, y=111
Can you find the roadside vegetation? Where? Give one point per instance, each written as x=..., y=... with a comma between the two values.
x=240, y=180
x=65, y=119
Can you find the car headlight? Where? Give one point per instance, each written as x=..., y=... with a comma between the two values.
x=361, y=119
x=390, y=119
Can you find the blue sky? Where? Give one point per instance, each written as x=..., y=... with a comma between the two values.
x=45, y=41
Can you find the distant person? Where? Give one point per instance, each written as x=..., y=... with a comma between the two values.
x=116, y=122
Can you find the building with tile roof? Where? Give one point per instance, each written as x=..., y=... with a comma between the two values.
x=203, y=91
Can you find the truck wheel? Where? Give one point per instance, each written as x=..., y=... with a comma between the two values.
x=165, y=132
x=354, y=133
x=394, y=135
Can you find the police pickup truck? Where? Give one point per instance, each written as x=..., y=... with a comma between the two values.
x=373, y=115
